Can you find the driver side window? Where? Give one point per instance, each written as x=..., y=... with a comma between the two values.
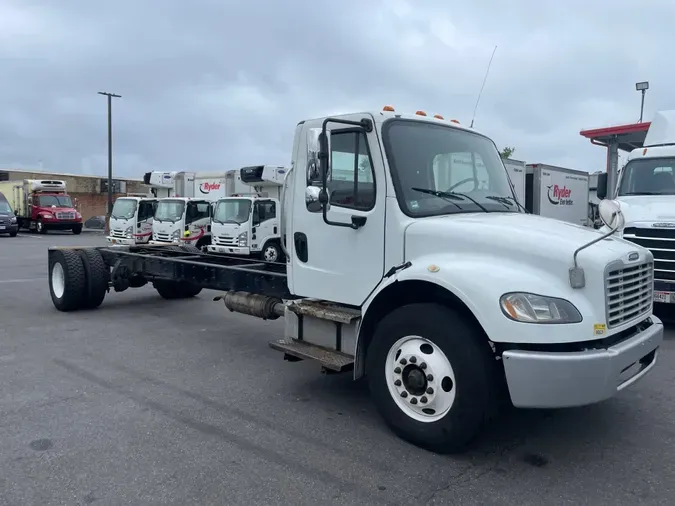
x=197, y=211
x=464, y=171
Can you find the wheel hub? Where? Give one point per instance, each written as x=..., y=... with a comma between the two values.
x=414, y=380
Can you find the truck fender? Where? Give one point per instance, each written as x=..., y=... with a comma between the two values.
x=470, y=285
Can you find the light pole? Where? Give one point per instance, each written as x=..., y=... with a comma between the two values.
x=110, y=163
x=643, y=87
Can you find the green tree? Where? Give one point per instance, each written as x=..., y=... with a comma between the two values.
x=507, y=152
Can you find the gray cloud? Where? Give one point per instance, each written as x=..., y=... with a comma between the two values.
x=215, y=84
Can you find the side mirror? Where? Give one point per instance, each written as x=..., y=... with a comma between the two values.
x=602, y=186
x=318, y=156
x=611, y=215
x=313, y=199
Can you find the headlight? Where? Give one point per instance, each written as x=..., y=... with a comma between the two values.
x=49, y=216
x=242, y=239
x=175, y=234
x=12, y=219
x=532, y=308
x=129, y=231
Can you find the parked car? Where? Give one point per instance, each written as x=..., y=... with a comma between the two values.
x=8, y=222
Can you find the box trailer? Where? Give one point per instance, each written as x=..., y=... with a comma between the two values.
x=557, y=192
x=516, y=170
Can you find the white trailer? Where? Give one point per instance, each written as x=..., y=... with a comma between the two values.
x=517, y=170
x=442, y=300
x=557, y=192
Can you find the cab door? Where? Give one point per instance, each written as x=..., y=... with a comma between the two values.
x=339, y=257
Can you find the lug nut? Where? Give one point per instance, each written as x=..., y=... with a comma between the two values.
x=423, y=399
x=413, y=401
x=430, y=390
x=404, y=394
x=423, y=365
x=413, y=360
x=397, y=370
x=430, y=377
x=403, y=361
x=397, y=383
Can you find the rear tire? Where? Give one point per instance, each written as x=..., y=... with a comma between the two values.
x=458, y=379
x=67, y=280
x=175, y=289
x=97, y=275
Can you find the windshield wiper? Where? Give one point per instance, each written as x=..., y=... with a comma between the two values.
x=448, y=197
x=218, y=221
x=507, y=202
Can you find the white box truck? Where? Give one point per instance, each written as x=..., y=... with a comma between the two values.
x=557, y=192
x=517, y=170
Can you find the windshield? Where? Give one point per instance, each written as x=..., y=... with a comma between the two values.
x=4, y=207
x=648, y=176
x=124, y=209
x=439, y=158
x=232, y=211
x=54, y=200
x=169, y=210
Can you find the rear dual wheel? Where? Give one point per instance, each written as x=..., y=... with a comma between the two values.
x=77, y=279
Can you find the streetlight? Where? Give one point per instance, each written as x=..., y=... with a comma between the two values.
x=110, y=188
x=643, y=87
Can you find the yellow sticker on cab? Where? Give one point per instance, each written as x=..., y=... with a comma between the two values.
x=599, y=329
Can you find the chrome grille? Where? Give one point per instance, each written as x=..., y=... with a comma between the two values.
x=629, y=293
x=65, y=216
x=225, y=240
x=661, y=242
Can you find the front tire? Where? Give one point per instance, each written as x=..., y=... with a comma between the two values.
x=271, y=252
x=77, y=229
x=432, y=376
x=40, y=227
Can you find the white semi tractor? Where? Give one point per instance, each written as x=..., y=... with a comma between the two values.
x=442, y=299
x=646, y=192
x=248, y=223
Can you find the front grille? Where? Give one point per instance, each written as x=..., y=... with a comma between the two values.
x=65, y=216
x=225, y=240
x=661, y=242
x=117, y=233
x=162, y=237
x=629, y=293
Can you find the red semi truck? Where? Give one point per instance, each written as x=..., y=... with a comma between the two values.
x=42, y=205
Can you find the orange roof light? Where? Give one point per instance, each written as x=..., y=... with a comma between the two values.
x=438, y=116
x=389, y=108
x=454, y=121
x=421, y=113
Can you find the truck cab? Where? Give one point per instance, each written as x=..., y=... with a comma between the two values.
x=182, y=220
x=131, y=220
x=42, y=205
x=248, y=224
x=646, y=192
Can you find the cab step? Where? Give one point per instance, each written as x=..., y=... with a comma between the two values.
x=328, y=359
x=324, y=310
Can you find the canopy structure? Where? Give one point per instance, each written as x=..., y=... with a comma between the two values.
x=615, y=138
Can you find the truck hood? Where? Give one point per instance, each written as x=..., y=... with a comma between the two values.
x=533, y=240
x=647, y=208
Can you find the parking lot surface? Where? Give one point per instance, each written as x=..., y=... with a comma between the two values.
x=148, y=401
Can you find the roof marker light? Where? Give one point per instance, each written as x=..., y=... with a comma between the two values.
x=421, y=113
x=438, y=116
x=389, y=108
x=454, y=121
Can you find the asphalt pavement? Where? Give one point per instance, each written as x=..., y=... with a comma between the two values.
x=145, y=401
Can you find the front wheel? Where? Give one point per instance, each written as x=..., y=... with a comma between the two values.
x=271, y=252
x=40, y=227
x=77, y=229
x=432, y=376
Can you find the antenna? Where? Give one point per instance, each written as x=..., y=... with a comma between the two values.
x=483, y=86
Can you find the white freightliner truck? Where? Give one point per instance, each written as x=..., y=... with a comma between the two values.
x=248, y=223
x=442, y=299
x=184, y=216
x=646, y=193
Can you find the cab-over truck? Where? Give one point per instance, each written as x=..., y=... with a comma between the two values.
x=443, y=300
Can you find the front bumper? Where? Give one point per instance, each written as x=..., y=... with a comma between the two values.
x=120, y=241
x=565, y=379
x=228, y=250
x=12, y=228
x=61, y=224
x=163, y=243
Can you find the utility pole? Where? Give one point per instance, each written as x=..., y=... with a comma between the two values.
x=110, y=156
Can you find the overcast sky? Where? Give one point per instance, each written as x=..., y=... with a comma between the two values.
x=219, y=84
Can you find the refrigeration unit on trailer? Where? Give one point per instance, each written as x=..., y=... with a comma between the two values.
x=556, y=192
x=646, y=193
x=131, y=220
x=248, y=223
x=517, y=171
x=384, y=257
x=42, y=205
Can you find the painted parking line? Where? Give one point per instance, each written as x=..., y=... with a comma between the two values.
x=25, y=280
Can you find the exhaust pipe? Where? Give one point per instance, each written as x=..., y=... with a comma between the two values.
x=260, y=306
